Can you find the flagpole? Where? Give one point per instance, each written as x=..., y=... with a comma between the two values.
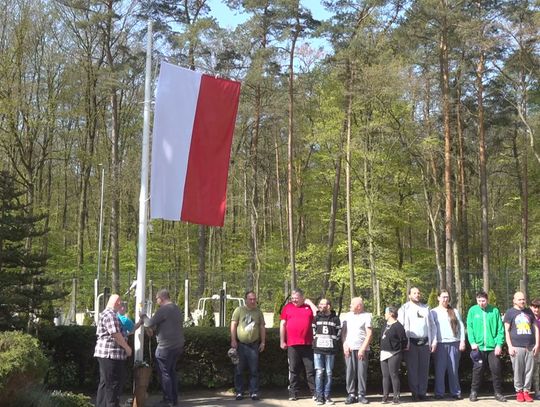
x=143, y=201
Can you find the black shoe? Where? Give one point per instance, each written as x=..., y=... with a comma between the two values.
x=457, y=397
x=473, y=396
x=500, y=397
x=293, y=397
x=422, y=397
x=414, y=398
x=385, y=400
x=395, y=400
x=351, y=399
x=439, y=397
x=362, y=399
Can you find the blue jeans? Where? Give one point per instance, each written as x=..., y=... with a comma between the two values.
x=166, y=368
x=249, y=358
x=323, y=369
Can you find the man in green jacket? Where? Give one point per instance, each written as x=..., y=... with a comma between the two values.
x=486, y=335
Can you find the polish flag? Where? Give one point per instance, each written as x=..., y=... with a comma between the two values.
x=194, y=122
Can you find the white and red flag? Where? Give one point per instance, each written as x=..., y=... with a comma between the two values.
x=194, y=122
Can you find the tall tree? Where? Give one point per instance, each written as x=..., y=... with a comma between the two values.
x=24, y=287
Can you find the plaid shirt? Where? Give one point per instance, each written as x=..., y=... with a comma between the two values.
x=106, y=346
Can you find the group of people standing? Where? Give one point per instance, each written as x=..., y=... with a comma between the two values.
x=112, y=348
x=311, y=335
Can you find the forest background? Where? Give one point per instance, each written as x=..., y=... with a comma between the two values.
x=403, y=152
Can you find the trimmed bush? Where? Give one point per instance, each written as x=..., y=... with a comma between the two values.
x=38, y=396
x=204, y=363
x=70, y=350
x=22, y=363
x=68, y=399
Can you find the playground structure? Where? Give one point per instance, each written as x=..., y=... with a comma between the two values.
x=205, y=304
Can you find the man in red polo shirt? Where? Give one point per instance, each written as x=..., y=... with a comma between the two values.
x=296, y=335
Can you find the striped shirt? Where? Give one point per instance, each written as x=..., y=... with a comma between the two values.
x=106, y=346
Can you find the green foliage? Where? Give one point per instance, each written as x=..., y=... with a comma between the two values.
x=24, y=288
x=467, y=303
x=493, y=300
x=22, y=363
x=432, y=299
x=279, y=302
x=208, y=320
x=204, y=363
x=70, y=351
x=39, y=396
x=58, y=106
x=69, y=399
x=32, y=396
x=229, y=309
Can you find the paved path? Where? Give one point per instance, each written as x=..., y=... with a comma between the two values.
x=217, y=398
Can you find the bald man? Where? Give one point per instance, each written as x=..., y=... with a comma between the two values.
x=521, y=332
x=356, y=335
x=111, y=352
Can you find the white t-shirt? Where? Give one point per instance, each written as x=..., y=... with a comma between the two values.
x=357, y=326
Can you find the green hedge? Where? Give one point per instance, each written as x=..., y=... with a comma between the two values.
x=22, y=363
x=204, y=363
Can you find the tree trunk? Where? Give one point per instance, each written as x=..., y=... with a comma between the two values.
x=443, y=59
x=523, y=187
x=202, y=260
x=369, y=215
x=352, y=283
x=483, y=171
x=280, y=203
x=332, y=220
x=463, y=236
x=290, y=152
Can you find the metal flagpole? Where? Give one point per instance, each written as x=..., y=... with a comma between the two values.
x=143, y=201
x=100, y=247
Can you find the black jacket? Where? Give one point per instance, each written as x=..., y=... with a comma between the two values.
x=326, y=333
x=393, y=337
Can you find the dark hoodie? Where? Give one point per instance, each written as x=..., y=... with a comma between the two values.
x=326, y=333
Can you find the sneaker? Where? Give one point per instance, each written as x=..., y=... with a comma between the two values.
x=319, y=401
x=362, y=399
x=255, y=397
x=239, y=396
x=457, y=397
x=500, y=397
x=351, y=399
x=395, y=400
x=385, y=400
x=527, y=397
x=293, y=397
x=329, y=402
x=473, y=396
x=519, y=396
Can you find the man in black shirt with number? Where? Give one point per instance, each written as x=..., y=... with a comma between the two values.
x=326, y=335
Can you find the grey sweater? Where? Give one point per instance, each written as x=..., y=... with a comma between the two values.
x=168, y=323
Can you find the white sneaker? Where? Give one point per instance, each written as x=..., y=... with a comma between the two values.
x=329, y=402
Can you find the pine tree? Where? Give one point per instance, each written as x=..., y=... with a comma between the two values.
x=24, y=290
